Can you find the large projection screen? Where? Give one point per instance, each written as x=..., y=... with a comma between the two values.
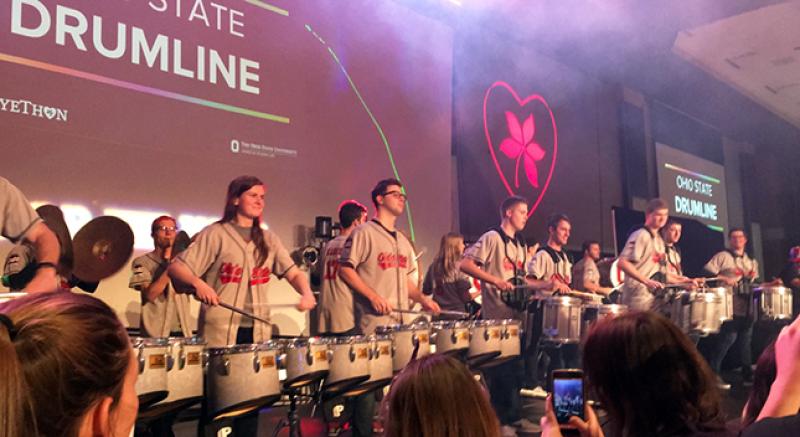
x=143, y=108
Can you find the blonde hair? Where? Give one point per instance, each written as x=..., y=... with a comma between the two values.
x=448, y=257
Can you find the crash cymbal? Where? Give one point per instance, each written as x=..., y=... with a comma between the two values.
x=101, y=248
x=182, y=242
x=54, y=219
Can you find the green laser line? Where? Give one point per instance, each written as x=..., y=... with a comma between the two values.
x=374, y=122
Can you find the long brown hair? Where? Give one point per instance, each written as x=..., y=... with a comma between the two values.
x=436, y=396
x=235, y=189
x=763, y=377
x=650, y=377
x=448, y=257
x=69, y=351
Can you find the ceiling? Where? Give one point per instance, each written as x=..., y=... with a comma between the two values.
x=757, y=53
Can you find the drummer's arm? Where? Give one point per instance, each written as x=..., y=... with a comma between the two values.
x=470, y=267
x=596, y=288
x=154, y=289
x=180, y=272
x=47, y=251
x=416, y=295
x=351, y=278
x=300, y=284
x=631, y=271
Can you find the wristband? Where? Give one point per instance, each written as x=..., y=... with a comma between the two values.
x=46, y=264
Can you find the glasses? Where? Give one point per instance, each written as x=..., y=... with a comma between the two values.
x=166, y=228
x=398, y=194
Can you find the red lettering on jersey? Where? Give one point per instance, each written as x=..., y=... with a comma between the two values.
x=331, y=269
x=229, y=272
x=659, y=258
x=260, y=275
x=508, y=265
x=388, y=260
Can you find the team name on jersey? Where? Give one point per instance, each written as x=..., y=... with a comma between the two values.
x=232, y=273
x=508, y=265
x=388, y=260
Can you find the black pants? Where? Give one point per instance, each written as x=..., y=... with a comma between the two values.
x=504, y=382
x=720, y=344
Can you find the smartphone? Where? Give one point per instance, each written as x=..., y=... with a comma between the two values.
x=569, y=396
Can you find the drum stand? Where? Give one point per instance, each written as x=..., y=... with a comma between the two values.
x=292, y=420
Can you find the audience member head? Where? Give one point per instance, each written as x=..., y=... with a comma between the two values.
x=763, y=377
x=650, y=377
x=67, y=368
x=437, y=396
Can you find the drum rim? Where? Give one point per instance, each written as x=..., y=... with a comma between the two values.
x=450, y=324
x=350, y=339
x=193, y=340
x=137, y=342
x=563, y=300
x=271, y=345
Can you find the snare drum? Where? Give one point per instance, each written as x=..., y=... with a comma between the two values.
x=349, y=364
x=380, y=365
x=151, y=384
x=185, y=369
x=484, y=341
x=451, y=337
x=592, y=313
x=408, y=341
x=242, y=378
x=726, y=296
x=561, y=321
x=306, y=360
x=773, y=303
x=509, y=340
x=697, y=312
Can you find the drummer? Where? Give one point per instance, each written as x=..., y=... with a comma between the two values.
x=232, y=261
x=336, y=298
x=643, y=259
x=736, y=269
x=19, y=222
x=377, y=263
x=585, y=274
x=671, y=234
x=164, y=312
x=551, y=263
x=496, y=259
x=791, y=277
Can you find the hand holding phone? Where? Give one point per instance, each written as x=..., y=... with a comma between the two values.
x=569, y=397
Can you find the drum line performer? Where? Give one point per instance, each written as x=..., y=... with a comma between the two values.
x=498, y=261
x=377, y=264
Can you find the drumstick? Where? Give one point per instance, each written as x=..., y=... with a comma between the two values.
x=444, y=312
x=243, y=312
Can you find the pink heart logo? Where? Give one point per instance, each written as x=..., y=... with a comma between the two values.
x=520, y=145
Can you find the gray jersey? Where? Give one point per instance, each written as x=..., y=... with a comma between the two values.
x=503, y=258
x=727, y=263
x=229, y=265
x=674, y=261
x=335, y=298
x=549, y=264
x=583, y=271
x=645, y=250
x=384, y=260
x=169, y=309
x=16, y=215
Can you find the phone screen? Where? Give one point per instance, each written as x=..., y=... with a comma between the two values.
x=568, y=398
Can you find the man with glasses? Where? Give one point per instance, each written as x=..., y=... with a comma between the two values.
x=164, y=312
x=377, y=263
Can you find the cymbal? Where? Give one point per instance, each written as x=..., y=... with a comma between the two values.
x=182, y=242
x=54, y=219
x=101, y=248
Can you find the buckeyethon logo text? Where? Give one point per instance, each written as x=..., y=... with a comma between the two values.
x=32, y=109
